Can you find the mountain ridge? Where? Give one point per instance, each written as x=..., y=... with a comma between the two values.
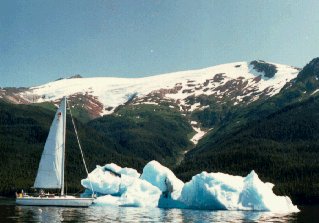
x=109, y=92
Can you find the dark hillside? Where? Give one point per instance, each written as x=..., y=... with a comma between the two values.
x=23, y=131
x=282, y=148
x=147, y=131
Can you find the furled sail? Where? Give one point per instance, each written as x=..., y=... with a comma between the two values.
x=50, y=172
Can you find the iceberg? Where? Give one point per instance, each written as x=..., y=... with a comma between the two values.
x=103, y=182
x=257, y=195
x=213, y=191
x=121, y=187
x=121, y=171
x=138, y=194
x=158, y=186
x=219, y=191
x=109, y=179
x=162, y=178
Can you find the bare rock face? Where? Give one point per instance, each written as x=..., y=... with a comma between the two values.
x=16, y=95
x=218, y=77
x=75, y=76
x=268, y=69
x=87, y=102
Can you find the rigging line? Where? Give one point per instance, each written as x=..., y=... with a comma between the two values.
x=77, y=137
x=77, y=192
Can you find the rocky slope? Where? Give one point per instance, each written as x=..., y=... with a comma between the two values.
x=241, y=82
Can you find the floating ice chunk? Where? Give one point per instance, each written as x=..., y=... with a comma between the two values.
x=214, y=191
x=109, y=179
x=163, y=178
x=159, y=187
x=125, y=186
x=103, y=182
x=138, y=193
x=107, y=200
x=218, y=191
x=126, y=171
x=257, y=195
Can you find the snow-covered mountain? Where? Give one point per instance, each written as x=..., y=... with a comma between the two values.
x=241, y=82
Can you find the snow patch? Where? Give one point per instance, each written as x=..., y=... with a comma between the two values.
x=194, y=106
x=314, y=92
x=149, y=103
x=204, y=107
x=199, y=134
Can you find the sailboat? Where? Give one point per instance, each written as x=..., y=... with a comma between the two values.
x=50, y=173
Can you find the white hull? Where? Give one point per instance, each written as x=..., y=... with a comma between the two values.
x=68, y=201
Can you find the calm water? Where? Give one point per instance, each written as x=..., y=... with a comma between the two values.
x=11, y=213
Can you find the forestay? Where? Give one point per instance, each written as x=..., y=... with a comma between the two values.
x=50, y=172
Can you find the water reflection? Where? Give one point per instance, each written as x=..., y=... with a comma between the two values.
x=227, y=216
x=13, y=213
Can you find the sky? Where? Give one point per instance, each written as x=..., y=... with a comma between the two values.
x=42, y=40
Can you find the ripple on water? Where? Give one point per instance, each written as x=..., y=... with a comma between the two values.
x=11, y=213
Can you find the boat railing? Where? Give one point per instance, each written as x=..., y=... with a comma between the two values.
x=21, y=195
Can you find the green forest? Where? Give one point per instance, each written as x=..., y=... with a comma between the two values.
x=144, y=133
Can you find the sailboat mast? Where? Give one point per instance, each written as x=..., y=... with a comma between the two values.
x=77, y=137
x=63, y=153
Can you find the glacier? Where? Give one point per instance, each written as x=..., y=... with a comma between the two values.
x=158, y=186
x=113, y=92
